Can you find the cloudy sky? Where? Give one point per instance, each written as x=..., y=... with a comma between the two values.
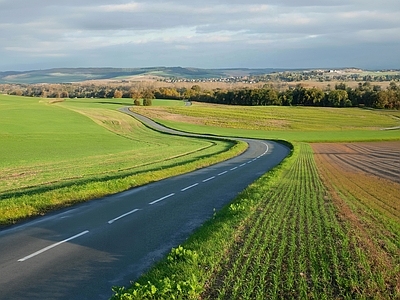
x=40, y=34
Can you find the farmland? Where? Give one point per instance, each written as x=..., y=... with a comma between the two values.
x=278, y=250
x=364, y=181
x=290, y=235
x=322, y=225
x=57, y=153
x=285, y=123
x=293, y=245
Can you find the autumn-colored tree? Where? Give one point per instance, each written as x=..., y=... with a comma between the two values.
x=147, y=97
x=64, y=94
x=135, y=95
x=118, y=94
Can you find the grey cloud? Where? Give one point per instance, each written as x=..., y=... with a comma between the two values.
x=177, y=32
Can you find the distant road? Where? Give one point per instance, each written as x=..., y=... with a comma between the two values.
x=81, y=252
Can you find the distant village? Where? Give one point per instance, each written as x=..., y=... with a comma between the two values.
x=303, y=75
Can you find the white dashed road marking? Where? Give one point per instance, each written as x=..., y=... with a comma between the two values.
x=52, y=246
x=208, y=179
x=121, y=216
x=161, y=199
x=189, y=187
x=135, y=210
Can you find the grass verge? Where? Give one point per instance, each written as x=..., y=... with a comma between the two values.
x=36, y=201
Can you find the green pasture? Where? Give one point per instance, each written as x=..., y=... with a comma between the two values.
x=33, y=130
x=73, y=139
x=55, y=153
x=294, y=136
x=307, y=124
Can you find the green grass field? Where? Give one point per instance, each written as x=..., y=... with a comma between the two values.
x=307, y=124
x=56, y=153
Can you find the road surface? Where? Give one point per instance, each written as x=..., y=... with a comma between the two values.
x=81, y=252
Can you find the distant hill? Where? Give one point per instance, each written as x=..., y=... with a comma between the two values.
x=65, y=75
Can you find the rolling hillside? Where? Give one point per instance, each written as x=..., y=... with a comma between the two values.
x=62, y=75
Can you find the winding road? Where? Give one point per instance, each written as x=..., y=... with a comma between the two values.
x=81, y=252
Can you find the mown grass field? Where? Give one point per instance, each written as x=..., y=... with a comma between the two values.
x=307, y=124
x=322, y=225
x=55, y=153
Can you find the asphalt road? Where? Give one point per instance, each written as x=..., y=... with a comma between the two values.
x=81, y=252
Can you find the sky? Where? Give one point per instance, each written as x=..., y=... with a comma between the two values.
x=42, y=34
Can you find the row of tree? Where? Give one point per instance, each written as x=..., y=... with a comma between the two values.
x=327, y=75
x=340, y=96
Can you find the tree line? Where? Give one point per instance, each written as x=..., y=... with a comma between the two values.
x=364, y=95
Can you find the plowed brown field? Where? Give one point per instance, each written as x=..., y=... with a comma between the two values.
x=364, y=181
x=381, y=159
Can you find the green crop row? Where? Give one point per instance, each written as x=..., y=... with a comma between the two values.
x=280, y=239
x=294, y=246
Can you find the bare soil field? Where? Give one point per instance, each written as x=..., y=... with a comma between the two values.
x=364, y=182
x=381, y=159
